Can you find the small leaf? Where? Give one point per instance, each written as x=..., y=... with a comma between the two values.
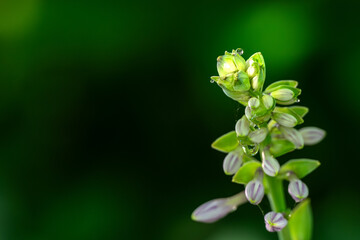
x=299, y=110
x=246, y=172
x=301, y=167
x=226, y=143
x=271, y=87
x=300, y=222
x=280, y=147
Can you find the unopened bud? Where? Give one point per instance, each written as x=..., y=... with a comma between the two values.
x=232, y=162
x=216, y=209
x=253, y=69
x=255, y=83
x=258, y=135
x=256, y=70
x=226, y=65
x=239, y=60
x=298, y=190
x=293, y=136
x=275, y=222
x=270, y=165
x=254, y=102
x=254, y=192
x=268, y=101
x=242, y=82
x=285, y=119
x=312, y=135
x=242, y=127
x=283, y=94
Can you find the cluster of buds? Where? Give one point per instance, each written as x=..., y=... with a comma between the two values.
x=239, y=78
x=266, y=129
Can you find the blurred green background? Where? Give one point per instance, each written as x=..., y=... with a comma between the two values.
x=107, y=114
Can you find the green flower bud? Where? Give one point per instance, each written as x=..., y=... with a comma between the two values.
x=242, y=127
x=253, y=103
x=256, y=71
x=268, y=101
x=239, y=60
x=241, y=82
x=230, y=63
x=226, y=65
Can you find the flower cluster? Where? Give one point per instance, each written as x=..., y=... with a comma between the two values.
x=267, y=129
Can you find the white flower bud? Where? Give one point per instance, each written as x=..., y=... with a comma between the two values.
x=275, y=222
x=293, y=136
x=268, y=101
x=254, y=191
x=216, y=209
x=298, y=190
x=283, y=94
x=312, y=135
x=242, y=127
x=258, y=135
x=285, y=119
x=270, y=165
x=255, y=82
x=232, y=162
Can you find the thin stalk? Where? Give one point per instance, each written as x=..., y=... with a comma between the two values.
x=275, y=194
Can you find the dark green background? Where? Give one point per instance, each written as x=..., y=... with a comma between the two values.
x=107, y=114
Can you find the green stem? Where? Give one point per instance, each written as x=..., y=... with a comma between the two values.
x=275, y=194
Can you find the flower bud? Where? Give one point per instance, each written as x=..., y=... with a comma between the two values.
x=275, y=222
x=232, y=162
x=293, y=136
x=269, y=164
x=256, y=71
x=268, y=101
x=254, y=190
x=254, y=102
x=283, y=94
x=258, y=135
x=298, y=190
x=255, y=83
x=226, y=65
x=230, y=63
x=253, y=69
x=285, y=119
x=242, y=82
x=216, y=209
x=239, y=60
x=312, y=135
x=242, y=127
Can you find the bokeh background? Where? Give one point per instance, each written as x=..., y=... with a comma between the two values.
x=107, y=114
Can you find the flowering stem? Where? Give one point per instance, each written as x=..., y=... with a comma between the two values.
x=275, y=194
